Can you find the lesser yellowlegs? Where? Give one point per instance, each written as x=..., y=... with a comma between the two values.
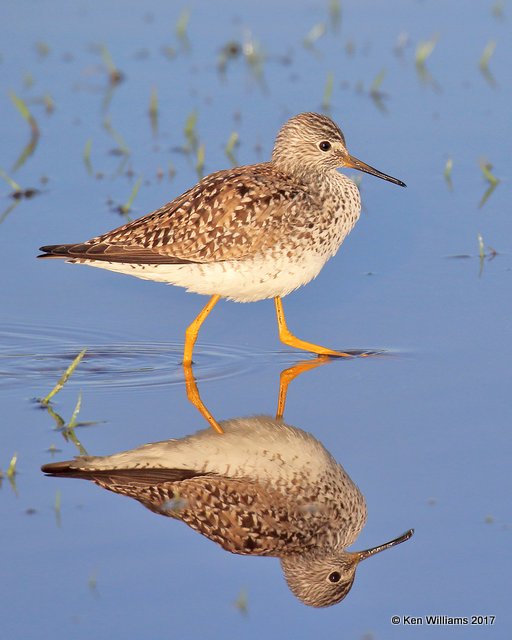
x=263, y=488
x=245, y=234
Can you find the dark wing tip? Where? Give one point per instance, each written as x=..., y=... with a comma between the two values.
x=57, y=468
x=55, y=250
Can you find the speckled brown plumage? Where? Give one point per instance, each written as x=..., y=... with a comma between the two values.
x=262, y=488
x=249, y=233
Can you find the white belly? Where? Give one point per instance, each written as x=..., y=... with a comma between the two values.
x=242, y=281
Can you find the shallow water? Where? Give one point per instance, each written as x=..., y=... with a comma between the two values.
x=423, y=430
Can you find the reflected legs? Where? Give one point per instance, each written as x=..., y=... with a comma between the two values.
x=195, y=399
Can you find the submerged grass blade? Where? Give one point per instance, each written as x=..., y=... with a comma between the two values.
x=153, y=111
x=11, y=469
x=447, y=173
x=76, y=411
x=230, y=147
x=487, y=55
x=114, y=74
x=315, y=33
x=25, y=112
x=122, y=147
x=486, y=168
x=182, y=25
x=190, y=129
x=328, y=91
x=424, y=50
x=14, y=185
x=126, y=207
x=335, y=13
x=64, y=378
x=87, y=156
x=200, y=162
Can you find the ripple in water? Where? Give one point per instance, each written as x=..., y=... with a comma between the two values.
x=30, y=354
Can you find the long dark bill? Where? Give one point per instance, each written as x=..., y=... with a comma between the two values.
x=371, y=552
x=354, y=163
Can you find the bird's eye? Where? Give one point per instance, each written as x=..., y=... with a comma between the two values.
x=324, y=145
x=335, y=576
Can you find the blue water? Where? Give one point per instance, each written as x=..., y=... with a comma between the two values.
x=423, y=431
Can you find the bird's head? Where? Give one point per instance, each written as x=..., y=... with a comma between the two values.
x=324, y=580
x=313, y=141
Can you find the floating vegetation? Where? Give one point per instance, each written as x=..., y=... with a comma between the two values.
x=376, y=94
x=11, y=469
x=43, y=50
x=328, y=91
x=423, y=52
x=122, y=148
x=181, y=28
x=200, y=162
x=153, y=111
x=190, y=131
x=484, y=252
x=115, y=76
x=402, y=42
x=230, y=147
x=17, y=194
x=254, y=57
x=230, y=51
x=315, y=33
x=14, y=185
x=29, y=149
x=497, y=9
x=242, y=602
x=125, y=208
x=11, y=473
x=493, y=181
x=56, y=507
x=447, y=173
x=63, y=379
x=483, y=63
x=335, y=14
x=87, y=156
x=49, y=103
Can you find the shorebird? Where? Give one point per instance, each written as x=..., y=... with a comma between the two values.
x=255, y=232
x=263, y=488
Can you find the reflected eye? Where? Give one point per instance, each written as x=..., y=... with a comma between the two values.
x=335, y=576
x=324, y=145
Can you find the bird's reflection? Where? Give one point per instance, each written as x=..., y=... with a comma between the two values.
x=254, y=485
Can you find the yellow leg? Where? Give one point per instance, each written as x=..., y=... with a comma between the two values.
x=288, y=338
x=193, y=330
x=195, y=399
x=290, y=374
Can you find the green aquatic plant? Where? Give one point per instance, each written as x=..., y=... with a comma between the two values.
x=492, y=180
x=25, y=113
x=447, y=173
x=314, y=34
x=190, y=130
x=127, y=206
x=87, y=156
x=64, y=378
x=114, y=74
x=122, y=147
x=200, y=161
x=153, y=111
x=230, y=147
x=328, y=91
x=483, y=63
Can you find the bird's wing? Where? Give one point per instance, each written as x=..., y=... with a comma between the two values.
x=227, y=216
